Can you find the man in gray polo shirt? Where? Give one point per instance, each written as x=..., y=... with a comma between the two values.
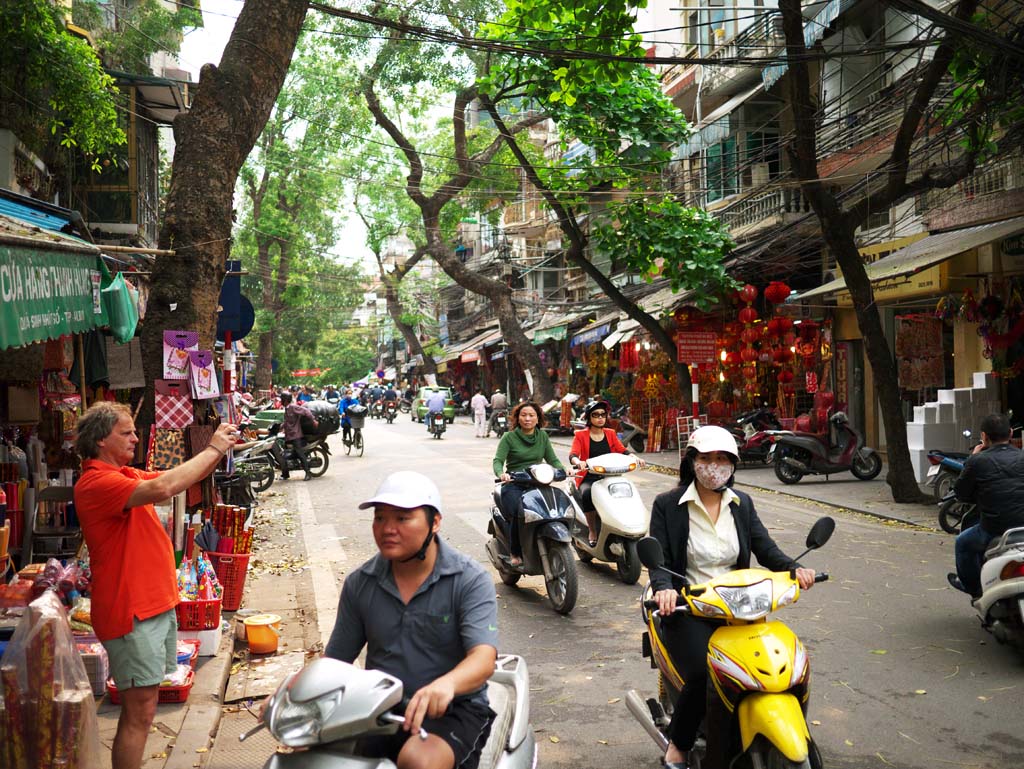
x=428, y=616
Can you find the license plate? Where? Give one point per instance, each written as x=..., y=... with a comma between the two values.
x=934, y=470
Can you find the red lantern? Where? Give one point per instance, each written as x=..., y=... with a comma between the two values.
x=748, y=354
x=732, y=359
x=774, y=327
x=750, y=372
x=731, y=342
x=748, y=293
x=777, y=292
x=750, y=335
x=789, y=339
x=782, y=355
x=785, y=376
x=748, y=315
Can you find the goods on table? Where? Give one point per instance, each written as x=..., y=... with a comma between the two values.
x=47, y=714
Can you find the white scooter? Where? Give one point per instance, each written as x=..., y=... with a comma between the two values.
x=1001, y=606
x=322, y=710
x=622, y=517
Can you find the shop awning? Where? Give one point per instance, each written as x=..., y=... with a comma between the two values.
x=611, y=340
x=49, y=285
x=715, y=126
x=591, y=335
x=924, y=253
x=159, y=98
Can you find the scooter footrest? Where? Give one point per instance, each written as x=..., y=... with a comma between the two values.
x=657, y=712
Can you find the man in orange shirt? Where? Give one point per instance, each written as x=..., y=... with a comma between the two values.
x=134, y=585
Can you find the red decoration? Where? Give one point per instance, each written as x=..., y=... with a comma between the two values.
x=777, y=292
x=733, y=327
x=779, y=326
x=752, y=388
x=783, y=355
x=748, y=293
x=750, y=334
x=748, y=315
x=789, y=389
x=785, y=376
x=732, y=359
x=811, y=382
x=748, y=354
x=750, y=372
x=789, y=339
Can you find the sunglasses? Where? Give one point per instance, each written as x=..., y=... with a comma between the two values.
x=601, y=414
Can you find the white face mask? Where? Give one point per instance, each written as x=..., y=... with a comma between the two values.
x=713, y=475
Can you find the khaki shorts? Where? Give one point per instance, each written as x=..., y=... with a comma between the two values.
x=145, y=655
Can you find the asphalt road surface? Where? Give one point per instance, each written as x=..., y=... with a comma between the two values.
x=902, y=674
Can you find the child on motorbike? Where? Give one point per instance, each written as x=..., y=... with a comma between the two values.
x=594, y=441
x=706, y=529
x=527, y=444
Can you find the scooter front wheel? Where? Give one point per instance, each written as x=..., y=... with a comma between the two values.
x=786, y=473
x=629, y=564
x=866, y=468
x=318, y=461
x=563, y=586
x=952, y=514
x=772, y=758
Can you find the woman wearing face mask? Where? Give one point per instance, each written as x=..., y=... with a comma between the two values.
x=705, y=529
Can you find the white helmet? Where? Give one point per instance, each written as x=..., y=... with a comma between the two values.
x=710, y=438
x=406, y=489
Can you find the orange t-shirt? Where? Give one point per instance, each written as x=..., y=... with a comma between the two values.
x=130, y=554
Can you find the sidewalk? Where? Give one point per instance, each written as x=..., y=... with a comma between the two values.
x=843, y=490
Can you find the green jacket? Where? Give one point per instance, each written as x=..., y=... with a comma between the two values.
x=517, y=451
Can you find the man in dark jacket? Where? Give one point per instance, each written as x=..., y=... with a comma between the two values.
x=993, y=479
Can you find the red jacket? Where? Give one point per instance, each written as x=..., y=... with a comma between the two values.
x=581, y=446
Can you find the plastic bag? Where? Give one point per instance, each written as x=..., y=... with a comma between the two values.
x=47, y=712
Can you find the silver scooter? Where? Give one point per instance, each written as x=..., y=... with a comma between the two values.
x=322, y=710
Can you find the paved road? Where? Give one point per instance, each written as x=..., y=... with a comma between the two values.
x=903, y=676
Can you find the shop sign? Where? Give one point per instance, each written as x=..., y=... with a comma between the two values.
x=556, y=333
x=469, y=356
x=696, y=347
x=46, y=294
x=310, y=371
x=1014, y=245
x=592, y=335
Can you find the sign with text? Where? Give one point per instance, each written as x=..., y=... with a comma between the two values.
x=696, y=346
x=45, y=294
x=310, y=371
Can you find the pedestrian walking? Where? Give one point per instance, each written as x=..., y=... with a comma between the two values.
x=479, y=405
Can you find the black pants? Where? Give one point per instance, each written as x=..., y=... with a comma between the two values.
x=299, y=446
x=687, y=640
x=512, y=512
x=586, y=502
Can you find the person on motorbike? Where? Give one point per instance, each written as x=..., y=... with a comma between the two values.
x=706, y=529
x=348, y=399
x=498, y=403
x=435, y=405
x=593, y=441
x=993, y=479
x=390, y=394
x=331, y=394
x=306, y=395
x=527, y=444
x=398, y=606
x=293, y=414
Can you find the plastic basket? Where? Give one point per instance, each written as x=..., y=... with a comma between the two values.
x=198, y=615
x=359, y=422
x=165, y=694
x=231, y=569
x=189, y=658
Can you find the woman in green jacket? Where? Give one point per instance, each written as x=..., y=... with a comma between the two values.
x=519, y=448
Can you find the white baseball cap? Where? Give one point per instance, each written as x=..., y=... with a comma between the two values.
x=406, y=489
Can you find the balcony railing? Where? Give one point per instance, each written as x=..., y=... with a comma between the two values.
x=773, y=205
x=760, y=39
x=992, y=178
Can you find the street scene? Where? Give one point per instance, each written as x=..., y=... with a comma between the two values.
x=500, y=385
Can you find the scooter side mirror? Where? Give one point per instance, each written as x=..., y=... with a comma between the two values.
x=650, y=552
x=821, y=532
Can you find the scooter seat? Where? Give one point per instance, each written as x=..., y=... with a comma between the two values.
x=501, y=702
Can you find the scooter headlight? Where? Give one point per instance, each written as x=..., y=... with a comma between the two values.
x=543, y=474
x=298, y=724
x=748, y=601
x=620, y=490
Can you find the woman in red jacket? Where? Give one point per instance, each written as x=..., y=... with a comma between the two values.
x=594, y=441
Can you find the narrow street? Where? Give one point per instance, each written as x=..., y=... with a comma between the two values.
x=903, y=676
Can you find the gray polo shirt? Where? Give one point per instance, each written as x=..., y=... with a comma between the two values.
x=453, y=610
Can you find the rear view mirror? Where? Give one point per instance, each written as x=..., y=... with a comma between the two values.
x=820, y=533
x=651, y=555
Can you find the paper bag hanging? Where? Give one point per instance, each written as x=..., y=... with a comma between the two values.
x=168, y=449
x=177, y=345
x=203, y=375
x=172, y=404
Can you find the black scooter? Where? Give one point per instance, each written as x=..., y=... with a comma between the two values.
x=437, y=424
x=840, y=449
x=543, y=533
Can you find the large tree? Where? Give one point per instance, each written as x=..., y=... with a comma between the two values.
x=232, y=105
x=988, y=120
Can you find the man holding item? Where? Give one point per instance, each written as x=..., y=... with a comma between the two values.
x=134, y=582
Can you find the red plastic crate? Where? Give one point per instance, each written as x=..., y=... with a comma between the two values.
x=165, y=694
x=231, y=569
x=198, y=615
x=194, y=656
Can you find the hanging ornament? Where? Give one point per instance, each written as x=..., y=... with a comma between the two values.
x=732, y=359
x=748, y=354
x=785, y=376
x=748, y=293
x=783, y=355
x=811, y=384
x=748, y=315
x=750, y=372
x=777, y=292
x=750, y=334
x=733, y=327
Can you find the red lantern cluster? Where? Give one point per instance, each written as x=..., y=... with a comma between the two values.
x=777, y=292
x=748, y=315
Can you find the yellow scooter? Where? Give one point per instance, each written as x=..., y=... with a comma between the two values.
x=758, y=671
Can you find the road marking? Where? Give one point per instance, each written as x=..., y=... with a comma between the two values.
x=324, y=554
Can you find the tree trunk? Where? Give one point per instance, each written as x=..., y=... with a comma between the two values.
x=264, y=360
x=233, y=103
x=395, y=310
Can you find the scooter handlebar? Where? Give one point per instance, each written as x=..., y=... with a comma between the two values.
x=821, y=576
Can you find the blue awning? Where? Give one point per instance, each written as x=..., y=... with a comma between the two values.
x=43, y=215
x=591, y=335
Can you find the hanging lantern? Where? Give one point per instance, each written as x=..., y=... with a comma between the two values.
x=730, y=342
x=750, y=334
x=732, y=359
x=748, y=293
x=774, y=327
x=748, y=315
x=748, y=354
x=750, y=372
x=777, y=292
x=789, y=339
x=785, y=376
x=782, y=355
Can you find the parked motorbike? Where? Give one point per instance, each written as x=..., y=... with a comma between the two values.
x=390, y=411
x=553, y=415
x=755, y=432
x=437, y=424
x=622, y=517
x=945, y=469
x=253, y=460
x=840, y=449
x=499, y=422
x=321, y=711
x=317, y=452
x=1001, y=606
x=631, y=435
x=759, y=671
x=543, y=533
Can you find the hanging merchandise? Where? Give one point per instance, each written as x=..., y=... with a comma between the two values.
x=203, y=375
x=177, y=345
x=124, y=364
x=122, y=305
x=172, y=404
x=629, y=356
x=167, y=449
